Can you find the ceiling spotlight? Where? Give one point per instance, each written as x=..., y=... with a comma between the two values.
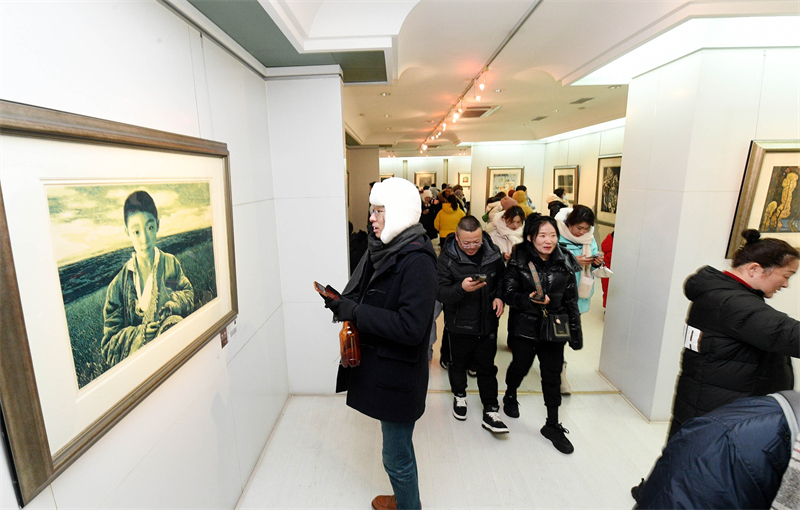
x=455, y=117
x=420, y=151
x=477, y=98
x=556, y=111
x=444, y=127
x=384, y=94
x=388, y=128
x=460, y=110
x=424, y=147
x=498, y=90
x=615, y=86
x=438, y=134
x=387, y=115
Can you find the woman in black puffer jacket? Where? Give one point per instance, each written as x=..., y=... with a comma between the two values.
x=527, y=324
x=736, y=345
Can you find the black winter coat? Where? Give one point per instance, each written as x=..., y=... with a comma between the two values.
x=732, y=458
x=558, y=281
x=469, y=313
x=744, y=350
x=394, y=320
x=426, y=217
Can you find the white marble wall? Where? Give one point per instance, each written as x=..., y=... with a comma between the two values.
x=195, y=440
x=688, y=129
x=311, y=214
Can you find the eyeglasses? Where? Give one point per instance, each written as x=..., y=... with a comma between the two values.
x=377, y=212
x=470, y=245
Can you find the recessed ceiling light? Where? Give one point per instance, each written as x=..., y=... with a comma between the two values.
x=615, y=86
x=388, y=128
x=384, y=94
x=556, y=111
x=498, y=90
x=387, y=115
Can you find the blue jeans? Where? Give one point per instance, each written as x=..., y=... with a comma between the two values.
x=401, y=463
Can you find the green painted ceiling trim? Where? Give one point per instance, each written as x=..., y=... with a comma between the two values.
x=249, y=25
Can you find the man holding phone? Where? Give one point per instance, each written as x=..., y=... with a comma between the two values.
x=470, y=267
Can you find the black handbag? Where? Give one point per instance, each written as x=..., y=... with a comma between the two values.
x=555, y=326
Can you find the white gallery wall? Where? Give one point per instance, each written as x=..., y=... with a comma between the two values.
x=194, y=441
x=688, y=129
x=311, y=215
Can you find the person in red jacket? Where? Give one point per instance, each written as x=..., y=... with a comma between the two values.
x=606, y=246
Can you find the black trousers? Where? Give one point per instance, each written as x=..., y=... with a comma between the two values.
x=476, y=352
x=551, y=358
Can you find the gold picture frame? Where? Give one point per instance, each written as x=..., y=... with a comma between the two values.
x=769, y=199
x=44, y=146
x=503, y=178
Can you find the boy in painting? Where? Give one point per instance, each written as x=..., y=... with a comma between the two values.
x=150, y=294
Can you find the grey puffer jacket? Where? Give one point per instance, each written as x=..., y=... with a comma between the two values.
x=744, y=349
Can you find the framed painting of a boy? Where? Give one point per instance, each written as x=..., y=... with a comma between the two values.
x=119, y=266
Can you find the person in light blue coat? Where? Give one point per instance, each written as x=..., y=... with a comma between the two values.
x=576, y=235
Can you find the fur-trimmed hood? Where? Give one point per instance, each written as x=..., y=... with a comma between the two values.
x=403, y=205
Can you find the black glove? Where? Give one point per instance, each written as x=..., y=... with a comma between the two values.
x=576, y=343
x=343, y=309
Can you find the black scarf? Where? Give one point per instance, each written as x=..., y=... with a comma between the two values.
x=380, y=253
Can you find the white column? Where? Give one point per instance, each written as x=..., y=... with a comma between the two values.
x=688, y=129
x=308, y=163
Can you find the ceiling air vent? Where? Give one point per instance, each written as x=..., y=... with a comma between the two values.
x=471, y=112
x=538, y=118
x=582, y=100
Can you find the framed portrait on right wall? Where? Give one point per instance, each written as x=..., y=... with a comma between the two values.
x=608, y=170
x=769, y=199
x=567, y=177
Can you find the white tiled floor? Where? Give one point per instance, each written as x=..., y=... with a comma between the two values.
x=326, y=455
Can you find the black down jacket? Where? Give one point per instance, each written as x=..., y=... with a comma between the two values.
x=558, y=281
x=394, y=324
x=733, y=457
x=469, y=313
x=744, y=348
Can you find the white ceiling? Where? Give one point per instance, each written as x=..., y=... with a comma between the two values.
x=443, y=44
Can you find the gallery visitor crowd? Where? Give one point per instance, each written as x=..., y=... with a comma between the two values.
x=736, y=366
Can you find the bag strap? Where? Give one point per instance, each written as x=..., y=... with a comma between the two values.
x=538, y=283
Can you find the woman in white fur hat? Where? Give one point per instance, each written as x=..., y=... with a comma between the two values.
x=390, y=298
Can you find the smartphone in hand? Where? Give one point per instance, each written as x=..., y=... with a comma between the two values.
x=327, y=292
x=479, y=278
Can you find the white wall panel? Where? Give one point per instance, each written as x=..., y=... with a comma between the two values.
x=258, y=276
x=259, y=387
x=780, y=100
x=136, y=62
x=312, y=349
x=125, y=61
x=611, y=142
x=238, y=100
x=193, y=465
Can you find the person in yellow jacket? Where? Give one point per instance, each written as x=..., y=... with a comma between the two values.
x=447, y=219
x=522, y=201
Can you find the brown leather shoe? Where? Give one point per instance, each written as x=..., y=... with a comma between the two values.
x=384, y=503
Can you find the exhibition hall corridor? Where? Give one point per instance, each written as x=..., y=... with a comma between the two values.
x=323, y=454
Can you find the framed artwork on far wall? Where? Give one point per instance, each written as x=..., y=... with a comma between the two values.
x=608, y=170
x=465, y=180
x=502, y=178
x=567, y=177
x=386, y=176
x=769, y=199
x=424, y=179
x=86, y=207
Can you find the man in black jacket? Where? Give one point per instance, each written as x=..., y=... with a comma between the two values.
x=470, y=269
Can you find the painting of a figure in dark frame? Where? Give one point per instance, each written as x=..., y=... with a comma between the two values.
x=134, y=261
x=610, y=190
x=782, y=205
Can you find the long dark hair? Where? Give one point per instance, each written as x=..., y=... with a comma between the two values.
x=768, y=252
x=513, y=212
x=533, y=223
x=580, y=214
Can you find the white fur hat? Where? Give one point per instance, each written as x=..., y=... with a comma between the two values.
x=401, y=200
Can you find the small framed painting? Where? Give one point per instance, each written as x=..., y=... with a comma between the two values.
x=422, y=179
x=502, y=179
x=465, y=180
x=769, y=199
x=567, y=177
x=386, y=176
x=608, y=169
